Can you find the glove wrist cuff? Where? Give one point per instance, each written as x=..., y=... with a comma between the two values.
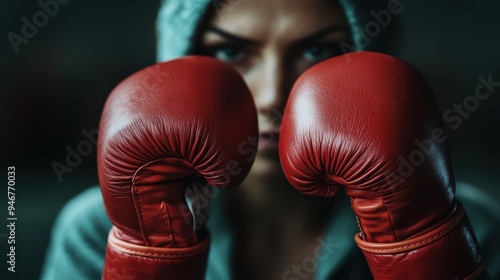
x=448, y=251
x=127, y=259
x=416, y=242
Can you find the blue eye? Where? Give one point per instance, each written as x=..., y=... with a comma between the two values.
x=317, y=53
x=228, y=53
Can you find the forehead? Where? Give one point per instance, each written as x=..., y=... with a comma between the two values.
x=265, y=19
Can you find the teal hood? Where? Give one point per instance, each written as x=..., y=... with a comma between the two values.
x=178, y=20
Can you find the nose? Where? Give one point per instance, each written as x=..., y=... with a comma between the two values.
x=270, y=88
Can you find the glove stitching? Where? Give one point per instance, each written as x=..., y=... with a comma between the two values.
x=390, y=218
x=166, y=220
x=135, y=190
x=142, y=253
x=428, y=240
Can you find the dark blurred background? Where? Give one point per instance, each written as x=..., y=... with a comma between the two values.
x=56, y=85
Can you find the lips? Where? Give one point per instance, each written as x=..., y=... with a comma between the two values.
x=268, y=141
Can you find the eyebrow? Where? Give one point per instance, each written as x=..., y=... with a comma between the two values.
x=321, y=33
x=245, y=41
x=233, y=38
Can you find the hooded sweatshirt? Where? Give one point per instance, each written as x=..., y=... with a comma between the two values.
x=79, y=237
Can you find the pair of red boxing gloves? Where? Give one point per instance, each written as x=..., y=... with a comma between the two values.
x=364, y=122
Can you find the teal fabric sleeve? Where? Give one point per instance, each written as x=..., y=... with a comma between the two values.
x=78, y=243
x=483, y=211
x=79, y=237
x=342, y=257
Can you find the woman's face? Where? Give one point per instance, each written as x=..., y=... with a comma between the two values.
x=271, y=43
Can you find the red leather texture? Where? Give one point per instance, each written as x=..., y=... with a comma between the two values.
x=163, y=128
x=368, y=124
x=129, y=261
x=422, y=257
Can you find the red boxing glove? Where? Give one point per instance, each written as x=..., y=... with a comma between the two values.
x=165, y=128
x=369, y=123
